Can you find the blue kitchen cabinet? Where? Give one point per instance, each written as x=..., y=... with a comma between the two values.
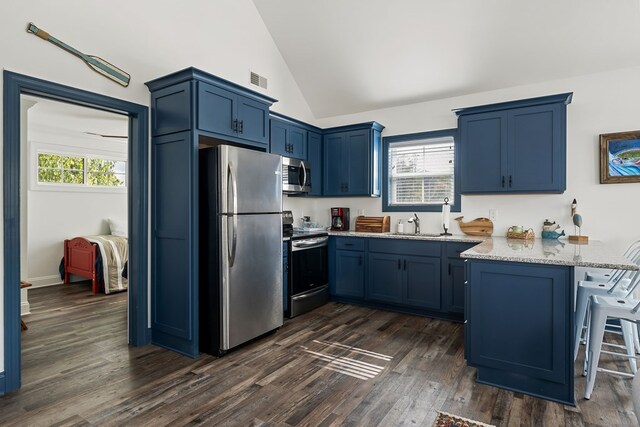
x=421, y=281
x=454, y=277
x=405, y=272
x=189, y=108
x=174, y=262
x=314, y=162
x=483, y=152
x=346, y=267
x=519, y=326
x=287, y=139
x=351, y=160
x=228, y=114
x=385, y=282
x=514, y=147
x=349, y=274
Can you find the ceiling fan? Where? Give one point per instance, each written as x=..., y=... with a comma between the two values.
x=108, y=136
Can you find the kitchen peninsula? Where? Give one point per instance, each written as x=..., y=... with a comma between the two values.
x=519, y=313
x=516, y=297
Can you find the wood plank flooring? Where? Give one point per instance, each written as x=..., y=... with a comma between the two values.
x=337, y=366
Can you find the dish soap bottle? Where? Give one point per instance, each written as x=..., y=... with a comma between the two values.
x=400, y=226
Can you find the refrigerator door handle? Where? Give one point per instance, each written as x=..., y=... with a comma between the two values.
x=231, y=181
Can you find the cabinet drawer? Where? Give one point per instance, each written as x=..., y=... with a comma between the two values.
x=350, y=243
x=455, y=249
x=407, y=247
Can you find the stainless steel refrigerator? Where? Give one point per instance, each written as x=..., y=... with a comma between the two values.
x=240, y=246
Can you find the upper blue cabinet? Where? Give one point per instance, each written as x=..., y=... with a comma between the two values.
x=289, y=139
x=293, y=138
x=351, y=157
x=194, y=100
x=517, y=147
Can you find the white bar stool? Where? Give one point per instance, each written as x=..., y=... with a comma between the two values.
x=603, y=307
x=611, y=275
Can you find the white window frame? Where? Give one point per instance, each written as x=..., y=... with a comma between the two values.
x=410, y=139
x=61, y=150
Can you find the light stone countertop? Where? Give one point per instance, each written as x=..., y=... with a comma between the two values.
x=595, y=254
x=411, y=236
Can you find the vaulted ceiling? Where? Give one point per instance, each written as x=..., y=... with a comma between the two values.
x=357, y=55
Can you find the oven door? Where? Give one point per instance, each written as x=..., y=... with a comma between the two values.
x=308, y=265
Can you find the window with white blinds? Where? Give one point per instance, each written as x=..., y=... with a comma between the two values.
x=421, y=172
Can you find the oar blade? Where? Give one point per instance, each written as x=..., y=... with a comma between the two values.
x=110, y=71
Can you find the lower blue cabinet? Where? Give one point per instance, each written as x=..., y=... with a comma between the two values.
x=349, y=274
x=519, y=326
x=421, y=282
x=424, y=277
x=385, y=278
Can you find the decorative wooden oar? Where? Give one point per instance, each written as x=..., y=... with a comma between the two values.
x=96, y=63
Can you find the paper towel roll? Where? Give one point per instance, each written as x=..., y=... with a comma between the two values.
x=446, y=214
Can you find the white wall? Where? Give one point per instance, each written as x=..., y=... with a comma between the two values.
x=602, y=103
x=148, y=39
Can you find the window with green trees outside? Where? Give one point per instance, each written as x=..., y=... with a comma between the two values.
x=76, y=170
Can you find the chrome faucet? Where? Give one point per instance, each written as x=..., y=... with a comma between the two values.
x=416, y=221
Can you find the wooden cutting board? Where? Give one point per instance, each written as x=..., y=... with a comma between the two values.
x=373, y=224
x=477, y=227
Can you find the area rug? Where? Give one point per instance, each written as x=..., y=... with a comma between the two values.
x=450, y=420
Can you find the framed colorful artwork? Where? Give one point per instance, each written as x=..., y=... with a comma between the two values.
x=620, y=157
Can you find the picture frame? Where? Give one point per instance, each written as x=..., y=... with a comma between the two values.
x=620, y=157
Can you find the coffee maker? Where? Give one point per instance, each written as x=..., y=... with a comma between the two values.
x=340, y=219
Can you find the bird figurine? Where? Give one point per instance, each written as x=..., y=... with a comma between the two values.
x=577, y=222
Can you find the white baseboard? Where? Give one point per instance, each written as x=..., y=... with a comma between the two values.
x=25, y=308
x=41, y=282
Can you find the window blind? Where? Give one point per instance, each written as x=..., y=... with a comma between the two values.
x=421, y=172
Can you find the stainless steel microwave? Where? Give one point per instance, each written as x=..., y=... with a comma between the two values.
x=296, y=176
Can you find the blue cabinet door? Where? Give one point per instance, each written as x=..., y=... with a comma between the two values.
x=483, y=152
x=357, y=152
x=520, y=322
x=537, y=149
x=349, y=274
x=252, y=120
x=298, y=140
x=217, y=109
x=455, y=287
x=334, y=165
x=314, y=159
x=278, y=141
x=174, y=266
x=421, y=282
x=385, y=278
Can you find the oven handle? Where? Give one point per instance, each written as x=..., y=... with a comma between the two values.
x=303, y=246
x=311, y=294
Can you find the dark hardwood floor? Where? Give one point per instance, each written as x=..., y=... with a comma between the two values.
x=339, y=365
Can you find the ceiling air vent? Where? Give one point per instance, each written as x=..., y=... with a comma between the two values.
x=258, y=80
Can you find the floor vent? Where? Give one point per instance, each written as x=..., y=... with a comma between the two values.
x=258, y=80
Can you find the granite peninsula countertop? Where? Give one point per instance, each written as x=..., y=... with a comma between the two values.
x=595, y=254
x=411, y=236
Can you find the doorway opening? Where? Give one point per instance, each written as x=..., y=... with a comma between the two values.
x=16, y=86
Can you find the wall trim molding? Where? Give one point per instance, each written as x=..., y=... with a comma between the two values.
x=14, y=85
x=2, y=383
x=44, y=281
